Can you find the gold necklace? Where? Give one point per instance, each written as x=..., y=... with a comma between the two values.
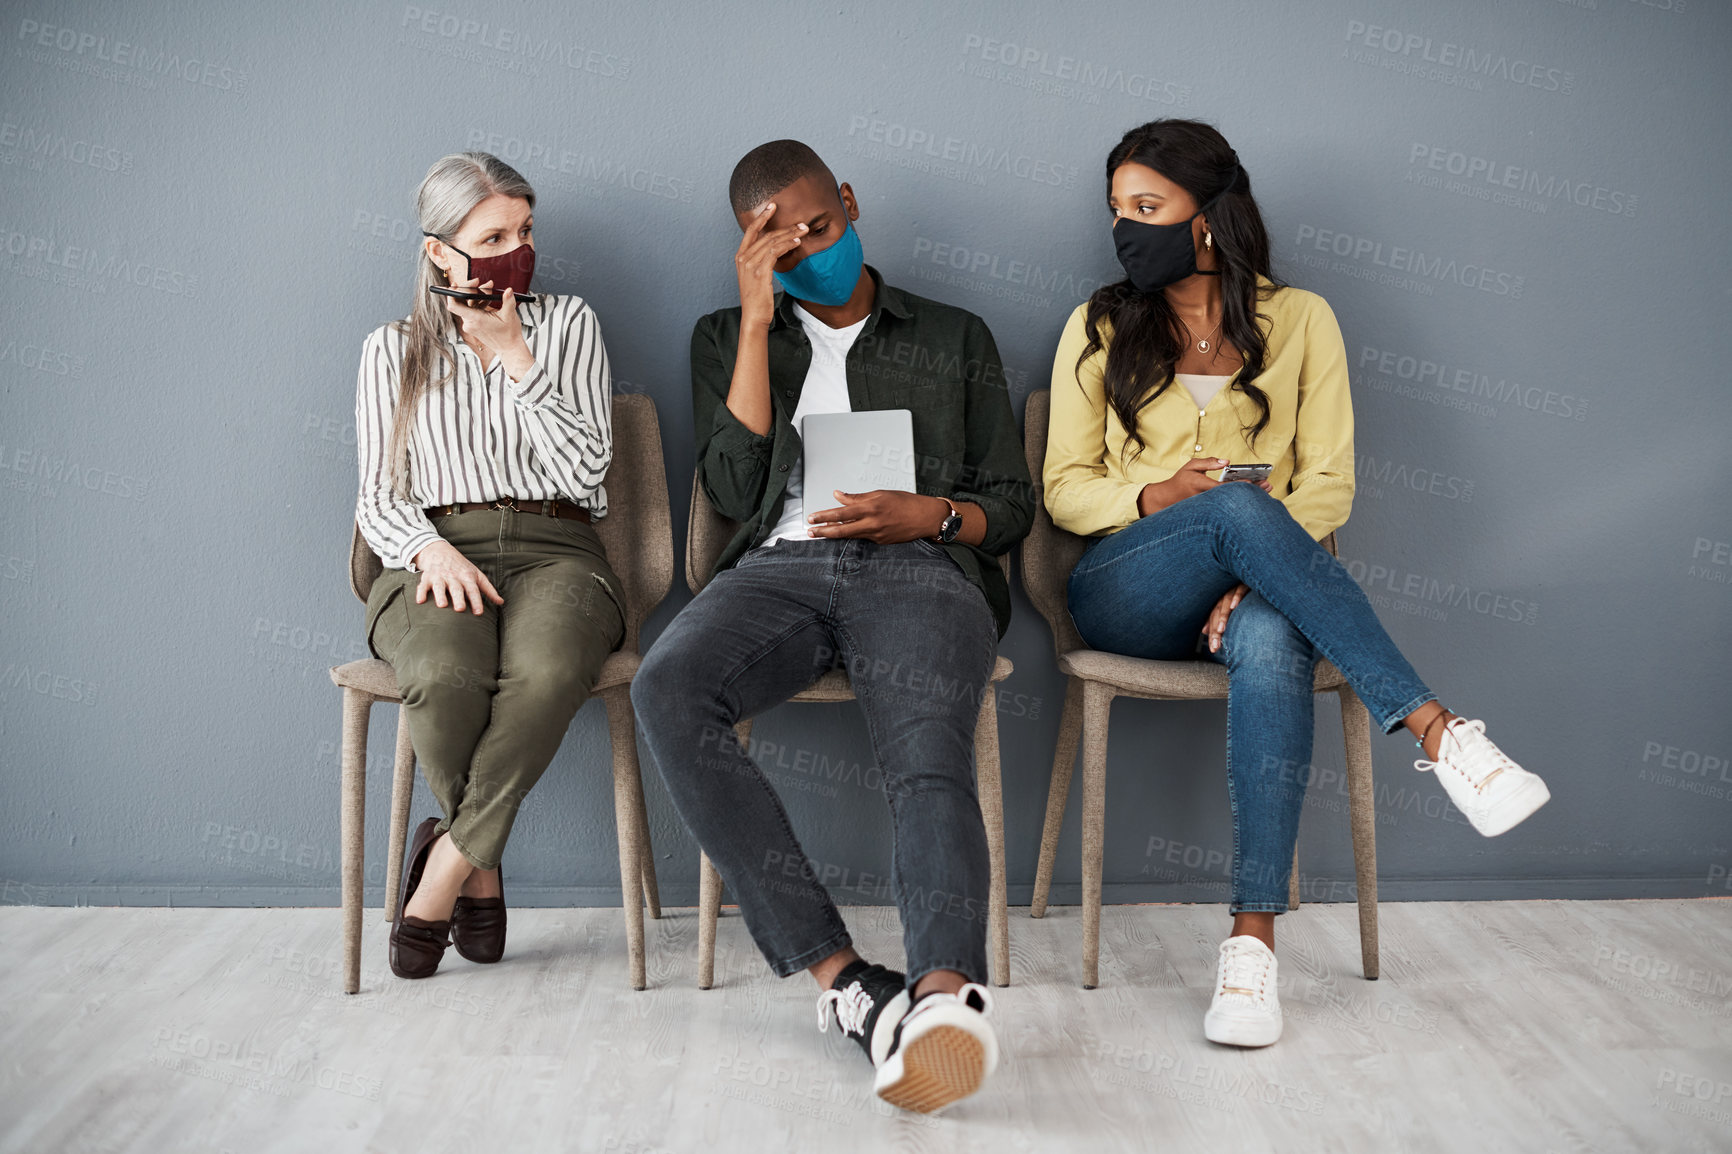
x=1202, y=345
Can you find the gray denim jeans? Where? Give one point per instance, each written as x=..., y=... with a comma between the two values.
x=918, y=642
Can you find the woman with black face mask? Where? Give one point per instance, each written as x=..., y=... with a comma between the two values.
x=1199, y=360
x=484, y=433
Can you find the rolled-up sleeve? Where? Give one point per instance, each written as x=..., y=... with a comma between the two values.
x=1320, y=495
x=395, y=529
x=733, y=461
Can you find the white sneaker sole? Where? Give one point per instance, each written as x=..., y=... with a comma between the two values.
x=933, y=1070
x=1235, y=1031
x=1514, y=809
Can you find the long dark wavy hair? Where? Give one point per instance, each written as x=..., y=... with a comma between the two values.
x=1147, y=335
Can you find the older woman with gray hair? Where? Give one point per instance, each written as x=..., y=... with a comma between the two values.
x=484, y=434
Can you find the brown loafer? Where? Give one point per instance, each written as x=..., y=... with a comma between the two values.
x=478, y=926
x=417, y=945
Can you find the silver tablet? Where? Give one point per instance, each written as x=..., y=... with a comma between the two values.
x=856, y=453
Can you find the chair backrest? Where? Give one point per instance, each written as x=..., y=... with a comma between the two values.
x=364, y=565
x=707, y=534
x=637, y=531
x=1048, y=552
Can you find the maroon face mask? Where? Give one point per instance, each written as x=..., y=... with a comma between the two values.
x=511, y=270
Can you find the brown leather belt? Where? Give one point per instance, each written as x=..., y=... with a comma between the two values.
x=554, y=508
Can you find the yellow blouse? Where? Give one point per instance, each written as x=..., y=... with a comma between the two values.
x=1091, y=487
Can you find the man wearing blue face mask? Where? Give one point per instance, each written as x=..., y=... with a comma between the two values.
x=901, y=589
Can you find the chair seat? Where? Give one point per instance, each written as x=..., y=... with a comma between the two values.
x=619, y=668
x=369, y=675
x=833, y=686
x=376, y=677
x=1169, y=680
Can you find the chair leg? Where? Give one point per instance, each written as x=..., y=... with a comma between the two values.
x=627, y=752
x=709, y=908
x=356, y=709
x=402, y=793
x=651, y=891
x=1362, y=809
x=988, y=773
x=1058, y=793
x=710, y=892
x=1097, y=707
x=1293, y=881
x=622, y=733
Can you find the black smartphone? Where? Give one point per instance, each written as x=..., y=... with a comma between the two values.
x=478, y=298
x=1247, y=472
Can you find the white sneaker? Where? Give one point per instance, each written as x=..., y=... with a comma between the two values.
x=1494, y=792
x=942, y=1050
x=1244, y=1010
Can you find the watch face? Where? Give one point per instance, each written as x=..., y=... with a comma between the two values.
x=951, y=527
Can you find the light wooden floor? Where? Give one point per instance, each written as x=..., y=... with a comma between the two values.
x=1518, y=1026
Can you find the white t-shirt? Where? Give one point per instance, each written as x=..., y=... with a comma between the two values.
x=1201, y=387
x=825, y=391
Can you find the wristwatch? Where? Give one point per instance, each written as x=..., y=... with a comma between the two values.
x=952, y=524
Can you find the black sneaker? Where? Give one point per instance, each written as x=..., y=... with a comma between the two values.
x=869, y=1000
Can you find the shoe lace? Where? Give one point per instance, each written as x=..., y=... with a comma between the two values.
x=1245, y=972
x=851, y=1005
x=1474, y=756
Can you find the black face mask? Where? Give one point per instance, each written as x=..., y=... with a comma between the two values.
x=1157, y=255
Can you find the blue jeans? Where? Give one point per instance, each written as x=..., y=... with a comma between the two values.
x=918, y=642
x=1147, y=590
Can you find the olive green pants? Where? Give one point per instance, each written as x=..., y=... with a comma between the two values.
x=489, y=696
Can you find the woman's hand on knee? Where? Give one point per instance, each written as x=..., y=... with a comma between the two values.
x=1217, y=625
x=453, y=579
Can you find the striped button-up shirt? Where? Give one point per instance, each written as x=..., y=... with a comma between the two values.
x=482, y=436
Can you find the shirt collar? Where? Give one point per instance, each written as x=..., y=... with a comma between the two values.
x=886, y=298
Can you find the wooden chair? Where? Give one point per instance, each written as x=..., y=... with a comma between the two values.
x=1095, y=678
x=638, y=536
x=707, y=534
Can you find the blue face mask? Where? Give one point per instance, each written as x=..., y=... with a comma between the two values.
x=828, y=277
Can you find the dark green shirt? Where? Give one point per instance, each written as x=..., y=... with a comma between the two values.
x=937, y=361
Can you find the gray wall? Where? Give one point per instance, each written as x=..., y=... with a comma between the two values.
x=1517, y=210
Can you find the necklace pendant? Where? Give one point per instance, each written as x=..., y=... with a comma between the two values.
x=1202, y=346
